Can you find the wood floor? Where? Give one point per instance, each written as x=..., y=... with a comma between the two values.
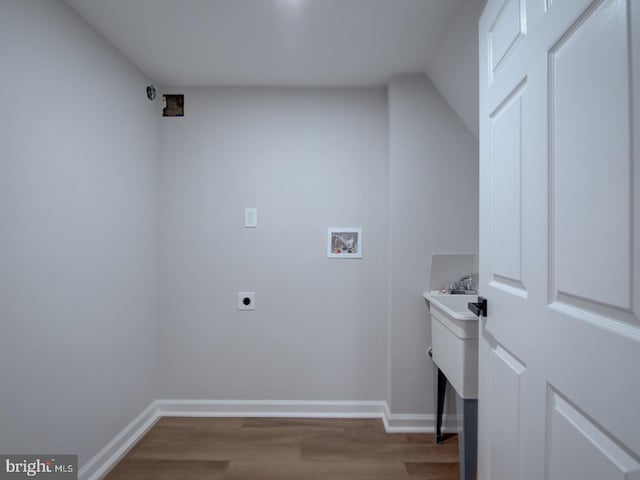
x=285, y=449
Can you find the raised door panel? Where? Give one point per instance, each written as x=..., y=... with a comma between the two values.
x=591, y=165
x=578, y=448
x=505, y=386
x=506, y=28
x=506, y=130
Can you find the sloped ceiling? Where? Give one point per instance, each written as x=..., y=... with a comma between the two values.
x=454, y=67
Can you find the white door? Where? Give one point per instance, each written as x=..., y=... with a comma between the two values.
x=559, y=386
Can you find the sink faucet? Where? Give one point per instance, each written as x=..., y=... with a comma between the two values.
x=465, y=283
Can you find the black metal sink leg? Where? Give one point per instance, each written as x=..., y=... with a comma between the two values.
x=442, y=388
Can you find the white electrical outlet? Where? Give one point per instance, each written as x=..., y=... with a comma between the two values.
x=250, y=217
x=246, y=300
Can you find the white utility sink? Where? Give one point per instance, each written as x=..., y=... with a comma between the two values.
x=454, y=340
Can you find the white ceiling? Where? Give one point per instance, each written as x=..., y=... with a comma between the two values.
x=272, y=42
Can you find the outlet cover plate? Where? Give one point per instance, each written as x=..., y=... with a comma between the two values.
x=246, y=300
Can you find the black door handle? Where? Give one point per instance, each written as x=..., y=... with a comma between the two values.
x=479, y=308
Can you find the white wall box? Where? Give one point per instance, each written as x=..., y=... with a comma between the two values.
x=344, y=242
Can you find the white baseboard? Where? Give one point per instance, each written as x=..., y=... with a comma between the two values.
x=98, y=466
x=110, y=455
x=270, y=408
x=416, y=423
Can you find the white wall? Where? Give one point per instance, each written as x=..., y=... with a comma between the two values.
x=433, y=208
x=454, y=67
x=78, y=179
x=308, y=159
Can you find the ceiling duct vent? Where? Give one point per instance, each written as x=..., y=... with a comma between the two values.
x=173, y=106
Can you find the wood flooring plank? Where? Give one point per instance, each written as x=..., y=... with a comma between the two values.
x=378, y=452
x=315, y=471
x=201, y=422
x=131, y=469
x=365, y=434
x=218, y=451
x=293, y=430
x=433, y=471
x=325, y=423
